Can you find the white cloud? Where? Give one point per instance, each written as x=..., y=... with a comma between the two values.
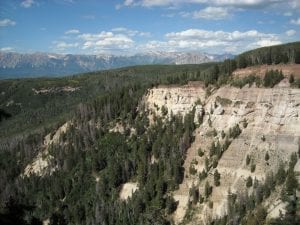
x=73, y=31
x=266, y=42
x=6, y=49
x=62, y=46
x=246, y=3
x=290, y=33
x=212, y=41
x=128, y=2
x=295, y=4
x=211, y=13
x=295, y=21
x=27, y=3
x=234, y=3
x=106, y=41
x=145, y=34
x=288, y=14
x=130, y=32
x=7, y=22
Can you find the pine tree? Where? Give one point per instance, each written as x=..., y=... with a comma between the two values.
x=217, y=177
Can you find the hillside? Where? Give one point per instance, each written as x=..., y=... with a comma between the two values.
x=268, y=120
x=260, y=70
x=173, y=144
x=288, y=53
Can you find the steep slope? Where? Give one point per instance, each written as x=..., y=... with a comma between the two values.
x=260, y=70
x=269, y=122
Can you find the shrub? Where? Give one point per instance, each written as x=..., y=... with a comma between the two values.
x=206, y=163
x=272, y=77
x=253, y=167
x=202, y=175
x=235, y=131
x=217, y=177
x=194, y=193
x=209, y=122
x=215, y=163
x=267, y=157
x=248, y=159
x=215, y=133
x=291, y=182
x=249, y=182
x=210, y=204
x=200, y=152
x=223, y=134
x=291, y=79
x=171, y=205
x=226, y=144
x=207, y=189
x=245, y=124
x=164, y=110
x=194, y=162
x=280, y=175
x=192, y=170
x=246, y=80
x=223, y=101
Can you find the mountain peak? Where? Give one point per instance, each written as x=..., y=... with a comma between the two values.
x=43, y=64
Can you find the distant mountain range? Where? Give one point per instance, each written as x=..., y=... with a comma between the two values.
x=46, y=64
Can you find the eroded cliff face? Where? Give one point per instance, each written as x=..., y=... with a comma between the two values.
x=269, y=122
x=40, y=165
x=176, y=100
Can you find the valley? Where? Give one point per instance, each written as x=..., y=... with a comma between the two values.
x=208, y=144
x=47, y=64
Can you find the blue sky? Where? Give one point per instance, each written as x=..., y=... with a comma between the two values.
x=130, y=26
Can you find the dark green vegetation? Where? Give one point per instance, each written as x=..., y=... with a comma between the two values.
x=248, y=209
x=272, y=78
x=32, y=108
x=29, y=110
x=288, y=53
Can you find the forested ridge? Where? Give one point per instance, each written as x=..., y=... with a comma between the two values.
x=288, y=53
x=91, y=162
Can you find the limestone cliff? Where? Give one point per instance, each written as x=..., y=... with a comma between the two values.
x=269, y=122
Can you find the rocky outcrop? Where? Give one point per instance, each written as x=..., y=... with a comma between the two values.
x=41, y=163
x=176, y=99
x=127, y=190
x=269, y=122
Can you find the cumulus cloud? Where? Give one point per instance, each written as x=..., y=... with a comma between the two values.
x=106, y=41
x=290, y=33
x=27, y=3
x=288, y=14
x=122, y=40
x=266, y=42
x=130, y=32
x=7, y=22
x=234, y=3
x=295, y=21
x=6, y=49
x=72, y=31
x=213, y=7
x=216, y=41
x=128, y=2
x=62, y=46
x=211, y=13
